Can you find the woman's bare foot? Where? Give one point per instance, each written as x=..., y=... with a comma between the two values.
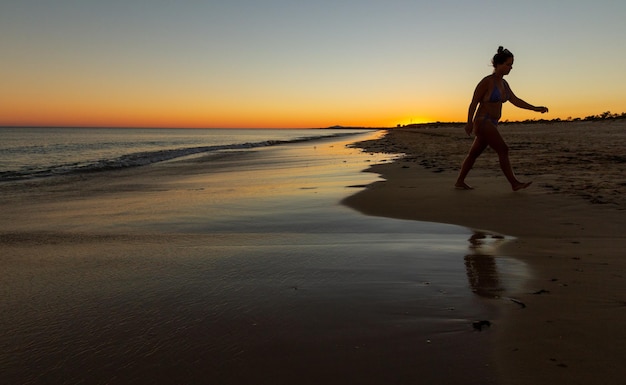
x=521, y=185
x=463, y=186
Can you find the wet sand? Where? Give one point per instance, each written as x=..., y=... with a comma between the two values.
x=566, y=324
x=240, y=268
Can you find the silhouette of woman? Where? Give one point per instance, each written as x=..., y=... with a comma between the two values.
x=490, y=94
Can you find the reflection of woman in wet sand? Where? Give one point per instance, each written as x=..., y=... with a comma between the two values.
x=481, y=268
x=489, y=96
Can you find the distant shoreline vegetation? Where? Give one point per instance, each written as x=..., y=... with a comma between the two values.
x=605, y=116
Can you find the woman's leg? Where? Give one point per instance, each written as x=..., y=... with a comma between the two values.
x=490, y=134
x=478, y=146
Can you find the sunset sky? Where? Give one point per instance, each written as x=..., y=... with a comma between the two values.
x=296, y=64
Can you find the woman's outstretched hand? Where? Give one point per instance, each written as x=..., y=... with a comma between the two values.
x=541, y=109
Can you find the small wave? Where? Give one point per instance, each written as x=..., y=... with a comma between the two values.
x=145, y=158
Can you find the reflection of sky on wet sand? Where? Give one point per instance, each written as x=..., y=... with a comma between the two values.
x=241, y=307
x=238, y=270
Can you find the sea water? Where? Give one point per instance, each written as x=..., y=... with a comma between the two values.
x=27, y=153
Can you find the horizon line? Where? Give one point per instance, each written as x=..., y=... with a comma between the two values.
x=604, y=116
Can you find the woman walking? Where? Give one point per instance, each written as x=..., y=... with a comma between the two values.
x=488, y=97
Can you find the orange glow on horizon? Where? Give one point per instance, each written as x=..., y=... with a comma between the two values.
x=136, y=120
x=68, y=102
x=189, y=113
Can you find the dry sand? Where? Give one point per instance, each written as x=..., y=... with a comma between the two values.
x=568, y=227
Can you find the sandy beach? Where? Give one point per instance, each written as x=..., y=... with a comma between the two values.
x=566, y=325
x=245, y=267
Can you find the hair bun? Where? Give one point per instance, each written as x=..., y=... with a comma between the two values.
x=501, y=57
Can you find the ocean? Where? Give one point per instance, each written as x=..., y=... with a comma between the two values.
x=38, y=152
x=226, y=257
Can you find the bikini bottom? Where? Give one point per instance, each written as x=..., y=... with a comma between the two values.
x=489, y=118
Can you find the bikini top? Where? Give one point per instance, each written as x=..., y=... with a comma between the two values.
x=496, y=96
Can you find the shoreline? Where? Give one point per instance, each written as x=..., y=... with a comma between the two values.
x=568, y=227
x=236, y=268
